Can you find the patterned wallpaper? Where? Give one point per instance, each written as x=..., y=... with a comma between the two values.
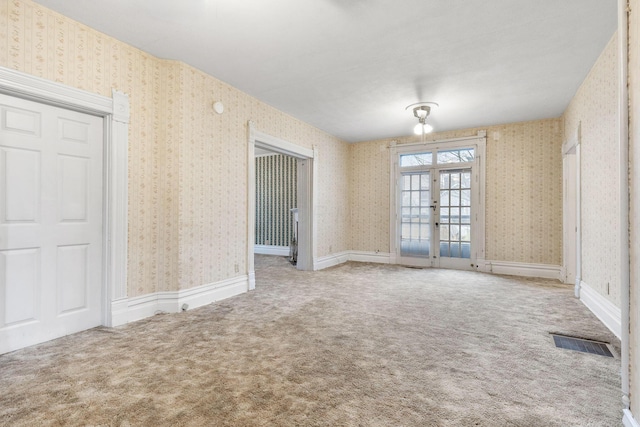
x=187, y=165
x=369, y=196
x=595, y=107
x=523, y=191
x=276, y=192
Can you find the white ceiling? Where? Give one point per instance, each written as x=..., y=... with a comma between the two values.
x=350, y=67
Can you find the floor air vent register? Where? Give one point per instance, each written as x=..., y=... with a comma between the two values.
x=582, y=345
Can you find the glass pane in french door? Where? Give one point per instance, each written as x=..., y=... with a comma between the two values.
x=415, y=211
x=455, y=213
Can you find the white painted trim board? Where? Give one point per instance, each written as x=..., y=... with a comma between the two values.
x=544, y=271
x=271, y=250
x=138, y=308
x=628, y=420
x=116, y=112
x=604, y=309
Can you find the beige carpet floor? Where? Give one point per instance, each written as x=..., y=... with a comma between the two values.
x=354, y=345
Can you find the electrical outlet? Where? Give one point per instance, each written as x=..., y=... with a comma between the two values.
x=237, y=268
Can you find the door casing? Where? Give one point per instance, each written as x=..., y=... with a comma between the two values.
x=307, y=174
x=478, y=201
x=116, y=113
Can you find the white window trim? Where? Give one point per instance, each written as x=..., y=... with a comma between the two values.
x=479, y=143
x=115, y=112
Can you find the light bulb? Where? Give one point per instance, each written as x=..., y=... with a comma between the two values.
x=419, y=128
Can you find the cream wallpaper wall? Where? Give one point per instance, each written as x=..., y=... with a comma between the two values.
x=369, y=196
x=523, y=191
x=595, y=108
x=187, y=166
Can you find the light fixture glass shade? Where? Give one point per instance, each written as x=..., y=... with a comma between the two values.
x=418, y=129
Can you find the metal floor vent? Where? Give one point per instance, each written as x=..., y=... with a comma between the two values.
x=582, y=345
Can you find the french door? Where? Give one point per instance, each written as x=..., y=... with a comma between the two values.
x=437, y=196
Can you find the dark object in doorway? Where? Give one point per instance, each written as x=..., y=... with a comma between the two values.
x=293, y=251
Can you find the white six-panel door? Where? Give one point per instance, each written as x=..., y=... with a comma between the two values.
x=51, y=222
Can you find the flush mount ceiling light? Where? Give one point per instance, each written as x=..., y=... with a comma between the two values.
x=421, y=110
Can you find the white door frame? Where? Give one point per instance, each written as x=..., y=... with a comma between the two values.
x=570, y=206
x=573, y=242
x=307, y=175
x=478, y=234
x=115, y=112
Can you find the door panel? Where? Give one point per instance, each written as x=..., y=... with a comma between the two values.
x=435, y=217
x=20, y=185
x=51, y=192
x=19, y=285
x=416, y=219
x=455, y=218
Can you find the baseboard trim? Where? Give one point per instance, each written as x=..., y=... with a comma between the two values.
x=628, y=420
x=357, y=256
x=330, y=260
x=377, y=257
x=604, y=309
x=271, y=250
x=545, y=271
x=129, y=310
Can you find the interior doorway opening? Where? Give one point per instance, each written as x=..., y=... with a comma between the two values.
x=276, y=204
x=262, y=143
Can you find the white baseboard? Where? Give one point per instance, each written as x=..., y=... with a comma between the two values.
x=604, y=309
x=377, y=257
x=129, y=310
x=252, y=280
x=119, y=312
x=330, y=260
x=271, y=250
x=358, y=256
x=545, y=271
x=628, y=420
